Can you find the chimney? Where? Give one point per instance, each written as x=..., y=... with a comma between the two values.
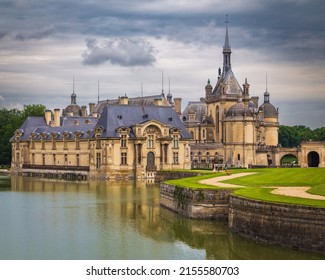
x=91, y=108
x=56, y=117
x=124, y=100
x=178, y=105
x=94, y=114
x=255, y=101
x=84, y=111
x=157, y=102
x=48, y=117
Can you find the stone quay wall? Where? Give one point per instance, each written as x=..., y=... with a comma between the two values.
x=171, y=175
x=197, y=204
x=298, y=227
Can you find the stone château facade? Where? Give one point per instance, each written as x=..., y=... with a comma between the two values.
x=228, y=125
x=118, y=141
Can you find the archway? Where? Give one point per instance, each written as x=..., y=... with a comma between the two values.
x=289, y=160
x=151, y=161
x=313, y=159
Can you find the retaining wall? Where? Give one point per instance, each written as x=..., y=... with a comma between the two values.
x=197, y=204
x=299, y=227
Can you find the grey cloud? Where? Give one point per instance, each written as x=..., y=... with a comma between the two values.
x=121, y=51
x=35, y=35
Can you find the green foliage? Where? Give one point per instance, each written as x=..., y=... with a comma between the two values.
x=10, y=120
x=292, y=136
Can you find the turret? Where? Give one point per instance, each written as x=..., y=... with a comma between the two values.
x=208, y=89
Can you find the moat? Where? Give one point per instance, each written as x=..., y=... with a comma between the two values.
x=49, y=219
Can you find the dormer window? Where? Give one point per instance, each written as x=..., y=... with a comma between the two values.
x=119, y=117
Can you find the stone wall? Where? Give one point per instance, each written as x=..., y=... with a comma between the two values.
x=294, y=226
x=197, y=204
x=171, y=175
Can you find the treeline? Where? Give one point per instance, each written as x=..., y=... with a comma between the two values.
x=10, y=120
x=292, y=136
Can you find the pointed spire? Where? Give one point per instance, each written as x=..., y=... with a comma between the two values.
x=226, y=51
x=227, y=45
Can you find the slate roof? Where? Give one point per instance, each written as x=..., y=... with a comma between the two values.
x=115, y=116
x=231, y=84
x=239, y=109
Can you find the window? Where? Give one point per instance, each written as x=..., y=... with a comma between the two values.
x=139, y=153
x=200, y=156
x=98, y=160
x=53, y=144
x=43, y=144
x=175, y=141
x=150, y=142
x=65, y=144
x=78, y=159
x=43, y=161
x=97, y=143
x=33, y=158
x=65, y=159
x=123, y=158
x=238, y=156
x=123, y=141
x=54, y=159
x=77, y=144
x=175, y=157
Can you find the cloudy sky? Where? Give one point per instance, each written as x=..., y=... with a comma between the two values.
x=123, y=43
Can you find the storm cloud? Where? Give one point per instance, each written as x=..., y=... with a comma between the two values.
x=43, y=47
x=121, y=51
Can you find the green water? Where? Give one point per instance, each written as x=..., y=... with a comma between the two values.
x=48, y=219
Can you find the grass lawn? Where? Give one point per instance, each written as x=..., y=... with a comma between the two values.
x=313, y=177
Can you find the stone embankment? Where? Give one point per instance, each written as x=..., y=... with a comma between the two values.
x=298, y=227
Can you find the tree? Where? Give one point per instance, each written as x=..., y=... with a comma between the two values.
x=292, y=136
x=10, y=120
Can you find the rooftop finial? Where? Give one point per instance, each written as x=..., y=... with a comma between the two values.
x=162, y=83
x=266, y=82
x=73, y=95
x=98, y=91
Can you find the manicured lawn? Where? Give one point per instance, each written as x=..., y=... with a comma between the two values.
x=313, y=177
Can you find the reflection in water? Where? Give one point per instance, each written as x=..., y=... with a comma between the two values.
x=48, y=219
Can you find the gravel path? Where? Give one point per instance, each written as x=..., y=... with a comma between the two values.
x=217, y=180
x=296, y=192
x=286, y=191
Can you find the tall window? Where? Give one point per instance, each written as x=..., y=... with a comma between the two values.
x=33, y=158
x=65, y=159
x=43, y=161
x=78, y=159
x=77, y=144
x=123, y=141
x=123, y=158
x=175, y=141
x=54, y=159
x=175, y=157
x=53, y=144
x=150, y=142
x=98, y=161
